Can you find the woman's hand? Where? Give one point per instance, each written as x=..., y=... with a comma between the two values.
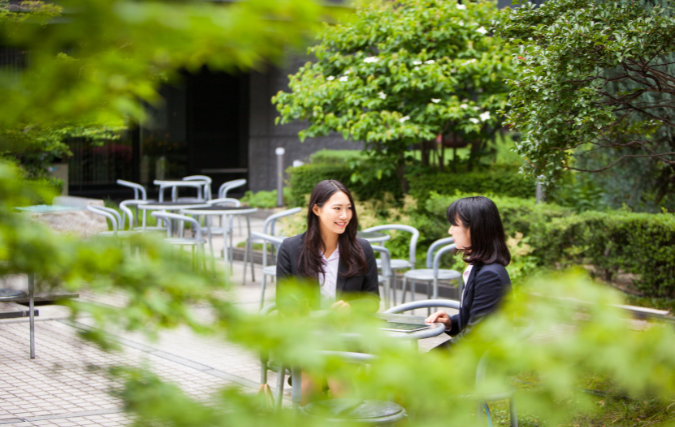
x=440, y=317
x=340, y=306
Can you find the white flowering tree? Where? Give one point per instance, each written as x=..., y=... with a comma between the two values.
x=404, y=74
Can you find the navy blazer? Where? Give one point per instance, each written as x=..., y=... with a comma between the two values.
x=484, y=290
x=347, y=288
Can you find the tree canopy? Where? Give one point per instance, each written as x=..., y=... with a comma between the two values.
x=593, y=79
x=403, y=73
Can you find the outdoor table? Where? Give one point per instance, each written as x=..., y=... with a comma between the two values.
x=167, y=206
x=173, y=184
x=432, y=330
x=9, y=295
x=221, y=211
x=373, y=236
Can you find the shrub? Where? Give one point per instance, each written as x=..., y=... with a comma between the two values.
x=505, y=181
x=336, y=157
x=261, y=199
x=618, y=242
x=304, y=178
x=640, y=244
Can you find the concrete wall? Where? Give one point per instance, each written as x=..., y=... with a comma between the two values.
x=265, y=137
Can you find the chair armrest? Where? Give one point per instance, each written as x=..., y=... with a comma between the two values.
x=413, y=305
x=386, y=260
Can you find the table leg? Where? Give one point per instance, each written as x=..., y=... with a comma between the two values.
x=248, y=225
x=31, y=314
x=213, y=255
x=296, y=388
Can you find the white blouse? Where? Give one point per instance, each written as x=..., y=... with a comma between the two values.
x=328, y=281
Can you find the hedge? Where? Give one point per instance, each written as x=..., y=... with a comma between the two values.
x=303, y=178
x=613, y=242
x=502, y=181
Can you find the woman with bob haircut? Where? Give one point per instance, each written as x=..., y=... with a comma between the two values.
x=478, y=232
x=331, y=259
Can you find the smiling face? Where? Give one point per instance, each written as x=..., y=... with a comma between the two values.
x=461, y=234
x=335, y=214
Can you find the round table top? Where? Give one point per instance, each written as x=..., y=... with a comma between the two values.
x=220, y=210
x=430, y=329
x=171, y=206
x=373, y=236
x=433, y=329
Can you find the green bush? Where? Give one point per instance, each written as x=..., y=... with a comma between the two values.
x=336, y=157
x=618, y=242
x=261, y=199
x=304, y=178
x=505, y=181
x=640, y=244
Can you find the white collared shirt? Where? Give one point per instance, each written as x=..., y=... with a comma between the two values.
x=328, y=281
x=465, y=277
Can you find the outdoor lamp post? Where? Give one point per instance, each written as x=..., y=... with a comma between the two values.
x=280, y=176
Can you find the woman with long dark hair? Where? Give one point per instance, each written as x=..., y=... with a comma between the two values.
x=339, y=267
x=479, y=234
x=329, y=254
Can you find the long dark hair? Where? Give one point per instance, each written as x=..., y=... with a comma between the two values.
x=351, y=252
x=480, y=215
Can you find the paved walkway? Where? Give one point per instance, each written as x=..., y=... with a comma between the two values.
x=66, y=384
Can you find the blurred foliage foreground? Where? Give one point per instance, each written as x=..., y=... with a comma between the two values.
x=575, y=333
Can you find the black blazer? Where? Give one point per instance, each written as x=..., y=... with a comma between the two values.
x=364, y=287
x=484, y=290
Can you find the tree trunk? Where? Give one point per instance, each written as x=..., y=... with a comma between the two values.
x=424, y=153
x=400, y=173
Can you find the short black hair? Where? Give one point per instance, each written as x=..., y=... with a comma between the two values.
x=488, y=242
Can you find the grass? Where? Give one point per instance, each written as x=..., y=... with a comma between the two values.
x=609, y=406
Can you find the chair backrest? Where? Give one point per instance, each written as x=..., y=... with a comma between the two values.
x=139, y=190
x=110, y=214
x=224, y=201
x=386, y=259
x=413, y=239
x=267, y=238
x=207, y=183
x=163, y=185
x=229, y=185
x=126, y=212
x=437, y=244
x=196, y=227
x=268, y=225
x=437, y=257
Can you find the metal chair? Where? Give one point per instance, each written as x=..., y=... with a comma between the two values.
x=267, y=270
x=268, y=228
x=399, y=264
x=386, y=277
x=174, y=185
x=115, y=220
x=225, y=227
x=133, y=222
x=139, y=190
x=350, y=410
x=432, y=273
x=481, y=371
x=386, y=413
x=195, y=242
x=229, y=185
x=207, y=184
